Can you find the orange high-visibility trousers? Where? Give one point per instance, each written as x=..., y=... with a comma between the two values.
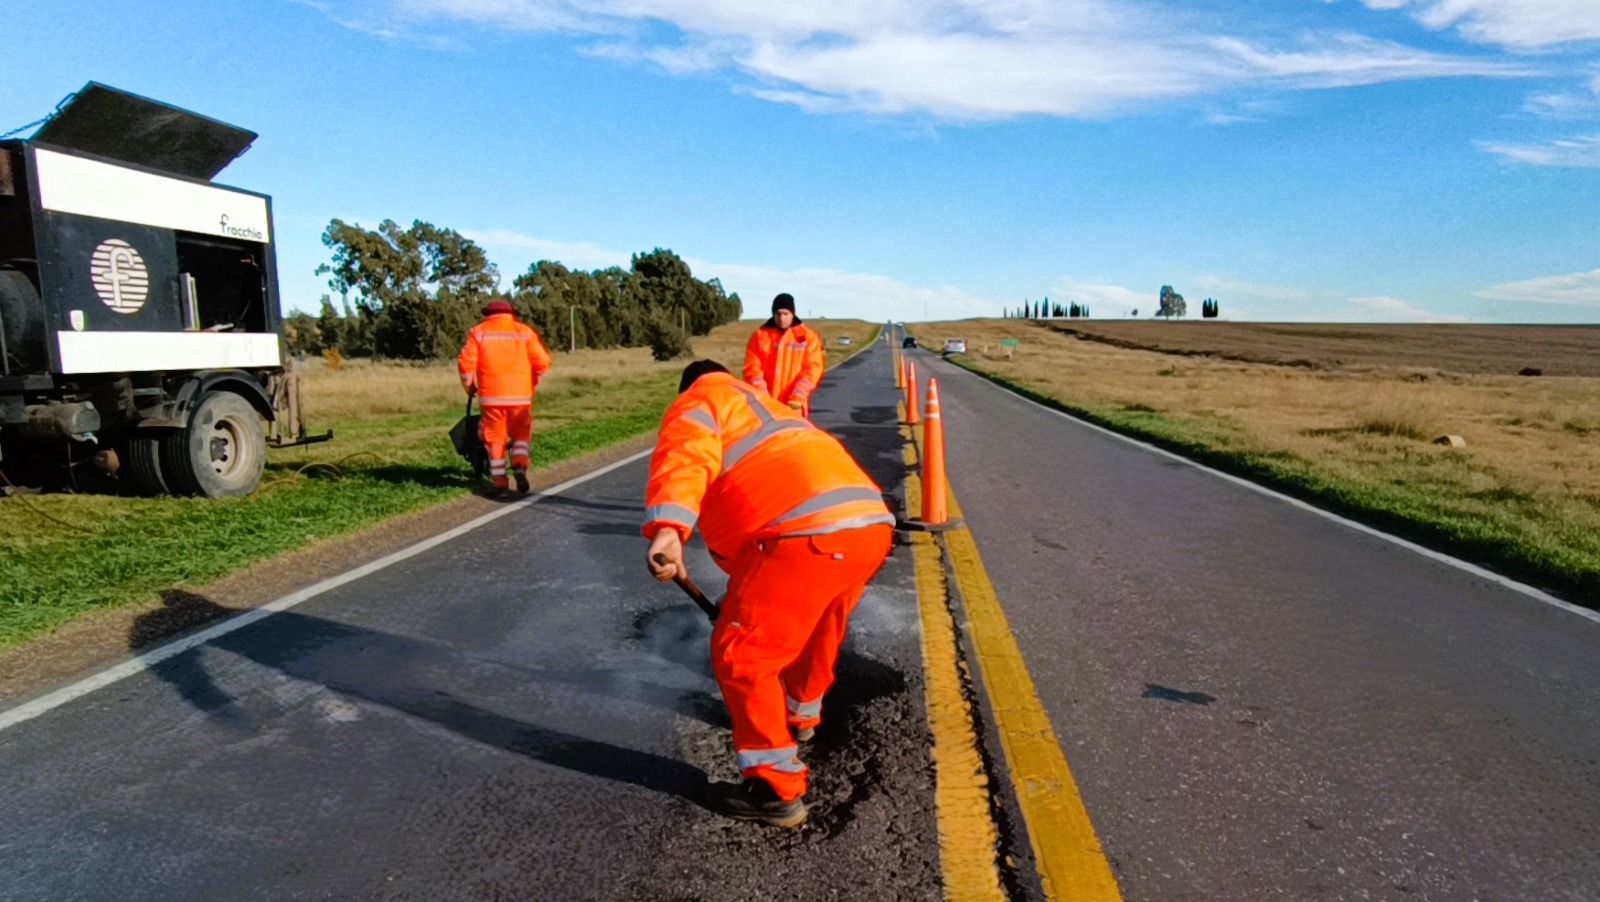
x=776, y=641
x=499, y=426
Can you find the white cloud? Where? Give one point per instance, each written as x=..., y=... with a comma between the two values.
x=1382, y=309
x=957, y=59
x=1577, y=289
x=1560, y=106
x=1218, y=284
x=520, y=251
x=1104, y=301
x=1522, y=24
x=838, y=294
x=1577, y=153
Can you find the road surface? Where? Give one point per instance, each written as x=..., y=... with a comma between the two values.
x=1255, y=702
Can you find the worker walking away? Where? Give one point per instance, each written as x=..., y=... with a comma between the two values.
x=785, y=357
x=800, y=530
x=502, y=362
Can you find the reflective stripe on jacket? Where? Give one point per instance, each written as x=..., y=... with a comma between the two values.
x=503, y=359
x=742, y=466
x=785, y=363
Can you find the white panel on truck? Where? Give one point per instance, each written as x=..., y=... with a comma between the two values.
x=137, y=352
x=69, y=184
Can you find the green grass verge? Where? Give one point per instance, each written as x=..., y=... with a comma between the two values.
x=64, y=555
x=1433, y=499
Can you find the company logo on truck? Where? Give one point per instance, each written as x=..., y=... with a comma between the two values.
x=119, y=275
x=253, y=234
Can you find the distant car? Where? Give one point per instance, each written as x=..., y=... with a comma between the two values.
x=844, y=339
x=954, y=346
x=910, y=342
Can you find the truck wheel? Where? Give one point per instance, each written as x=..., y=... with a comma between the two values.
x=221, y=452
x=141, y=463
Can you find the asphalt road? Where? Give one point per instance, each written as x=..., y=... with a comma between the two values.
x=1260, y=703
x=1256, y=702
x=519, y=713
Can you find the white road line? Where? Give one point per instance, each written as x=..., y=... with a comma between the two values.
x=155, y=656
x=1429, y=553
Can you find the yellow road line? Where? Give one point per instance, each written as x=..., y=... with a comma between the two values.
x=968, y=841
x=1070, y=861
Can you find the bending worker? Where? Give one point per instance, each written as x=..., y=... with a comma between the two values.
x=502, y=362
x=800, y=530
x=785, y=358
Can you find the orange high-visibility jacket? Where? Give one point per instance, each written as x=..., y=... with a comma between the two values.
x=742, y=467
x=503, y=359
x=786, y=364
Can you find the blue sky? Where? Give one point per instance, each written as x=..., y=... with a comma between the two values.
x=1298, y=160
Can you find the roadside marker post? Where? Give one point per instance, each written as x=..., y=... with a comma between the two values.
x=933, y=506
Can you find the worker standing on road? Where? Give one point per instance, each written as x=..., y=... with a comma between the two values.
x=785, y=357
x=501, y=363
x=800, y=530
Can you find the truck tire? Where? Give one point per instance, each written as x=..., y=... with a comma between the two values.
x=141, y=462
x=221, y=452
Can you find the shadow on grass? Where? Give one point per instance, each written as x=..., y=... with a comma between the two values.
x=429, y=475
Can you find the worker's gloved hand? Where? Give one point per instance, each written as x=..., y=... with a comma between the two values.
x=797, y=405
x=665, y=557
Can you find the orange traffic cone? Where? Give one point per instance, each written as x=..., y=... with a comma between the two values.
x=933, y=503
x=935, y=510
x=899, y=370
x=912, y=417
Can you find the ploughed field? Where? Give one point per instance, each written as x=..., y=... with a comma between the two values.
x=1468, y=349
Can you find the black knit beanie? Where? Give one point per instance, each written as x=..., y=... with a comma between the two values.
x=697, y=369
x=783, y=301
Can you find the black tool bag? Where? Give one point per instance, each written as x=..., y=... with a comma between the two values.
x=464, y=435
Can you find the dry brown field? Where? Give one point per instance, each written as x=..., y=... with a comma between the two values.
x=1358, y=406
x=1475, y=349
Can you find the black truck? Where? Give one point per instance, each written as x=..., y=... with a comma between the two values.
x=140, y=333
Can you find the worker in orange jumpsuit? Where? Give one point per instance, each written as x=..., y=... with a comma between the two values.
x=785, y=357
x=502, y=362
x=800, y=530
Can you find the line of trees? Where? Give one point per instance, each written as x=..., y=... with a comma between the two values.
x=1168, y=304
x=412, y=294
x=1046, y=310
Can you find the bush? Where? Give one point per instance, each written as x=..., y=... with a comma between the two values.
x=667, y=341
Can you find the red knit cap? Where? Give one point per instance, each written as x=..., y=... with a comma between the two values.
x=494, y=307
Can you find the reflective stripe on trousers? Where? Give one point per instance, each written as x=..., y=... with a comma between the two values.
x=784, y=760
x=803, y=711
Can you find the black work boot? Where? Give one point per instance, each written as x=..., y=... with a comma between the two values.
x=754, y=800
x=521, y=475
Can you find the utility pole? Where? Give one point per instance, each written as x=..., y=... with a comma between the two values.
x=572, y=327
